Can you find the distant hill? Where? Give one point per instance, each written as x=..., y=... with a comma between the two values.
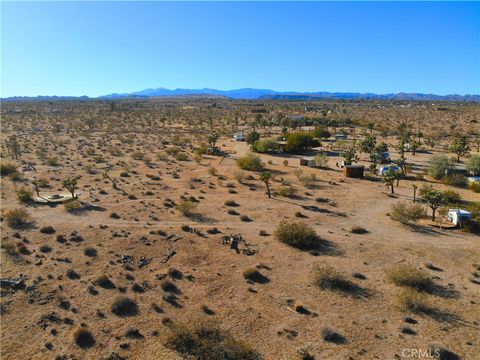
x=249, y=93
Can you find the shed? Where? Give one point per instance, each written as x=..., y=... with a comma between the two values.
x=456, y=216
x=307, y=161
x=354, y=171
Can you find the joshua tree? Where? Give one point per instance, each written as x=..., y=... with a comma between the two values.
x=212, y=140
x=460, y=146
x=415, y=187
x=389, y=178
x=70, y=185
x=434, y=199
x=266, y=177
x=35, y=186
x=350, y=155
x=14, y=147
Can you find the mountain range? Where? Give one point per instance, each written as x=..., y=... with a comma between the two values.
x=249, y=93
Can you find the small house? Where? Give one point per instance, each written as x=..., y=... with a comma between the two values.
x=340, y=136
x=457, y=216
x=354, y=171
x=383, y=169
x=307, y=161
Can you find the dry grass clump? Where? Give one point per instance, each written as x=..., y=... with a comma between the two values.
x=205, y=341
x=412, y=300
x=358, y=230
x=410, y=276
x=7, y=169
x=104, y=282
x=296, y=234
x=83, y=338
x=326, y=277
x=16, y=218
x=123, y=306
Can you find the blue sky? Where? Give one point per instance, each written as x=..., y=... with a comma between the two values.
x=96, y=48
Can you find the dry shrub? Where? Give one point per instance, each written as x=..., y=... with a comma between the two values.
x=187, y=207
x=286, y=191
x=72, y=206
x=16, y=218
x=7, y=169
x=205, y=341
x=252, y=274
x=412, y=300
x=83, y=338
x=406, y=213
x=123, y=306
x=297, y=234
x=327, y=278
x=410, y=276
x=24, y=195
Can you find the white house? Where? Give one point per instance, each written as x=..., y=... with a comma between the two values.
x=456, y=216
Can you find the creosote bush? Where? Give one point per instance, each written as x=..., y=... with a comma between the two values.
x=187, y=207
x=406, y=213
x=296, y=234
x=250, y=162
x=24, y=195
x=410, y=276
x=83, y=338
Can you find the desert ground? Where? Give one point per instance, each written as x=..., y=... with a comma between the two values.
x=149, y=226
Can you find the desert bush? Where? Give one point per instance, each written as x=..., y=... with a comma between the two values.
x=327, y=278
x=457, y=180
x=245, y=218
x=252, y=274
x=16, y=218
x=181, y=156
x=452, y=197
x=250, y=162
x=475, y=186
x=406, y=213
x=410, y=276
x=286, y=191
x=138, y=155
x=7, y=169
x=439, y=164
x=24, y=195
x=321, y=160
x=53, y=161
x=264, y=145
x=358, y=230
x=296, y=234
x=473, y=165
x=239, y=176
x=205, y=341
x=231, y=203
x=470, y=226
x=83, y=338
x=72, y=206
x=412, y=300
x=47, y=230
x=299, y=142
x=123, y=306
x=187, y=207
x=104, y=282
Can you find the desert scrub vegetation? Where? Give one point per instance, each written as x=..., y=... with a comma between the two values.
x=250, y=162
x=328, y=278
x=296, y=234
x=83, y=337
x=7, y=169
x=203, y=340
x=407, y=213
x=24, y=195
x=410, y=276
x=73, y=206
x=187, y=207
x=16, y=218
x=253, y=275
x=123, y=306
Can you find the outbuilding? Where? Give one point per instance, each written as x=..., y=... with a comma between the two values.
x=354, y=171
x=307, y=161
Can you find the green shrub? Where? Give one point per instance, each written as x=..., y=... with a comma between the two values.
x=475, y=186
x=296, y=234
x=286, y=191
x=406, y=213
x=327, y=278
x=452, y=197
x=250, y=162
x=264, y=145
x=53, y=161
x=181, y=156
x=321, y=160
x=439, y=164
x=410, y=276
x=473, y=165
x=24, y=195
x=299, y=142
x=457, y=180
x=16, y=218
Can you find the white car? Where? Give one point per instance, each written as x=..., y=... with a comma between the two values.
x=239, y=137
